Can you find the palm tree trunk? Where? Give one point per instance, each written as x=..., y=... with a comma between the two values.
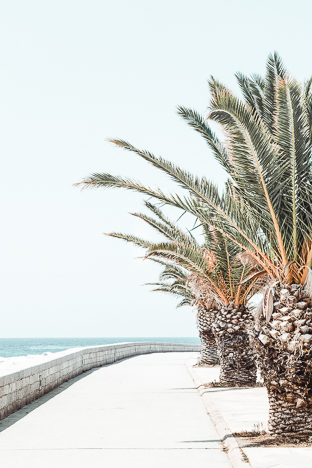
x=237, y=359
x=208, y=352
x=284, y=356
x=286, y=418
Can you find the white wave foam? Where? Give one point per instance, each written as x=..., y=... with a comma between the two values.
x=17, y=363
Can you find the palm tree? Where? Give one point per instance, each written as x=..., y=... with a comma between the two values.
x=221, y=279
x=175, y=280
x=206, y=317
x=266, y=210
x=180, y=275
x=209, y=350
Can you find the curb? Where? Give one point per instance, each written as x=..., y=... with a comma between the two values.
x=234, y=451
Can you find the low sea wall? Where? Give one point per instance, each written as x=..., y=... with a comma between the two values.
x=23, y=387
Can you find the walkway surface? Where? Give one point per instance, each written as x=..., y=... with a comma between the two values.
x=142, y=412
x=246, y=409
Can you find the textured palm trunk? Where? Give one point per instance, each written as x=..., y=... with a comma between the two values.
x=237, y=358
x=284, y=353
x=208, y=352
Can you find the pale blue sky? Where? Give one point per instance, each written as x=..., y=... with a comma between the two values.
x=74, y=73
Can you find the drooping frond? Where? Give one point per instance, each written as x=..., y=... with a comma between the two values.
x=215, y=264
x=172, y=271
x=131, y=239
x=187, y=298
x=165, y=226
x=205, y=203
x=174, y=280
x=197, y=122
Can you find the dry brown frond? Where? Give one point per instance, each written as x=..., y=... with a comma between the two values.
x=247, y=260
x=203, y=292
x=210, y=259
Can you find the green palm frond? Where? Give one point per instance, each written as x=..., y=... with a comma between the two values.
x=307, y=105
x=253, y=92
x=174, y=280
x=196, y=121
x=165, y=226
x=131, y=239
x=172, y=271
x=292, y=136
x=275, y=69
x=185, y=293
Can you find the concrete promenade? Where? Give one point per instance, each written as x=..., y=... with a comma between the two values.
x=24, y=383
x=142, y=412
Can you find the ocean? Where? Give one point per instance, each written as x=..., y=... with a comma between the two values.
x=10, y=347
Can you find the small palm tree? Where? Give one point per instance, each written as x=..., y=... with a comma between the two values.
x=221, y=280
x=175, y=280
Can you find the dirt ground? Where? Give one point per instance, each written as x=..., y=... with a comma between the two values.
x=263, y=439
x=217, y=364
x=218, y=384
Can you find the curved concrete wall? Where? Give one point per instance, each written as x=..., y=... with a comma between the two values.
x=20, y=388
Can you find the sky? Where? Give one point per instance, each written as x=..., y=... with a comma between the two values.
x=75, y=73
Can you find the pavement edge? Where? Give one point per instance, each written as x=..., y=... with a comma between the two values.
x=234, y=451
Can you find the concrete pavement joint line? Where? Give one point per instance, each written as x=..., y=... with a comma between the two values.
x=234, y=451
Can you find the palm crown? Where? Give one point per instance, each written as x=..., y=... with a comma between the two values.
x=218, y=268
x=267, y=153
x=265, y=209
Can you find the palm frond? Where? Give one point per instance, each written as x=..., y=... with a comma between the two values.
x=275, y=68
